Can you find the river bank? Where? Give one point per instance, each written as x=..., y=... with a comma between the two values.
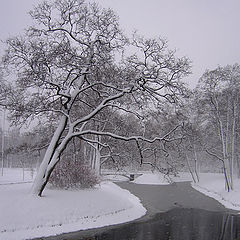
x=175, y=210
x=68, y=211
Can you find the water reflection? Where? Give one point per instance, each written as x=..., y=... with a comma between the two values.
x=178, y=224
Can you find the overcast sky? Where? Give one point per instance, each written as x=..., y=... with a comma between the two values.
x=207, y=31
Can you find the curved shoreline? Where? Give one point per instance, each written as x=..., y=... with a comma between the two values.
x=156, y=199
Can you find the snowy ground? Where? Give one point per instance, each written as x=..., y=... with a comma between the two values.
x=213, y=185
x=23, y=216
x=16, y=175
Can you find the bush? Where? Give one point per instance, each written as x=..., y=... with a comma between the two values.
x=73, y=174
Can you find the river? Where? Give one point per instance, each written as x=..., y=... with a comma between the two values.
x=175, y=212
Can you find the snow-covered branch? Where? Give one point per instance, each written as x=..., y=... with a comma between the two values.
x=132, y=138
x=124, y=109
x=102, y=105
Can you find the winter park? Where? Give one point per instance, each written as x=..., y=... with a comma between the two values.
x=119, y=120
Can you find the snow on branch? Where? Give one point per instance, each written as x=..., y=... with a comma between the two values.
x=125, y=110
x=102, y=105
x=132, y=138
x=91, y=142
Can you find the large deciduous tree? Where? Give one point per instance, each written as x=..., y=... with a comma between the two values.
x=66, y=69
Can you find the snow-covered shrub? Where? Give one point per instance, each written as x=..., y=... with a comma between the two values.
x=73, y=174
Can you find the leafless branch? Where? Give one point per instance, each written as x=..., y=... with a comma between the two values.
x=214, y=155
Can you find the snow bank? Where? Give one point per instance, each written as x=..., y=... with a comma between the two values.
x=24, y=216
x=152, y=178
x=213, y=185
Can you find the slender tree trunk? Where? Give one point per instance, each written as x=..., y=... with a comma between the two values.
x=226, y=168
x=155, y=160
x=196, y=163
x=227, y=138
x=238, y=166
x=226, y=175
x=233, y=144
x=97, y=161
x=74, y=153
x=92, y=157
x=190, y=169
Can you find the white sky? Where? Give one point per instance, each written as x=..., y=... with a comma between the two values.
x=206, y=31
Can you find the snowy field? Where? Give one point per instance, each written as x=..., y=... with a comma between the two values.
x=23, y=216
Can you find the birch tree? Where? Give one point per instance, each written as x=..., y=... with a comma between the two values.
x=66, y=69
x=220, y=94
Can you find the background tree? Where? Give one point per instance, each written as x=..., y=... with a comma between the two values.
x=219, y=90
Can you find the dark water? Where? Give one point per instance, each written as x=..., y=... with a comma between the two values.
x=176, y=224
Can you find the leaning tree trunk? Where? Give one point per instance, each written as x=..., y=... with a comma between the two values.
x=43, y=171
x=226, y=166
x=51, y=165
x=226, y=175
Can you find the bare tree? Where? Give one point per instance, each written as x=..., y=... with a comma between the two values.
x=220, y=96
x=66, y=69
